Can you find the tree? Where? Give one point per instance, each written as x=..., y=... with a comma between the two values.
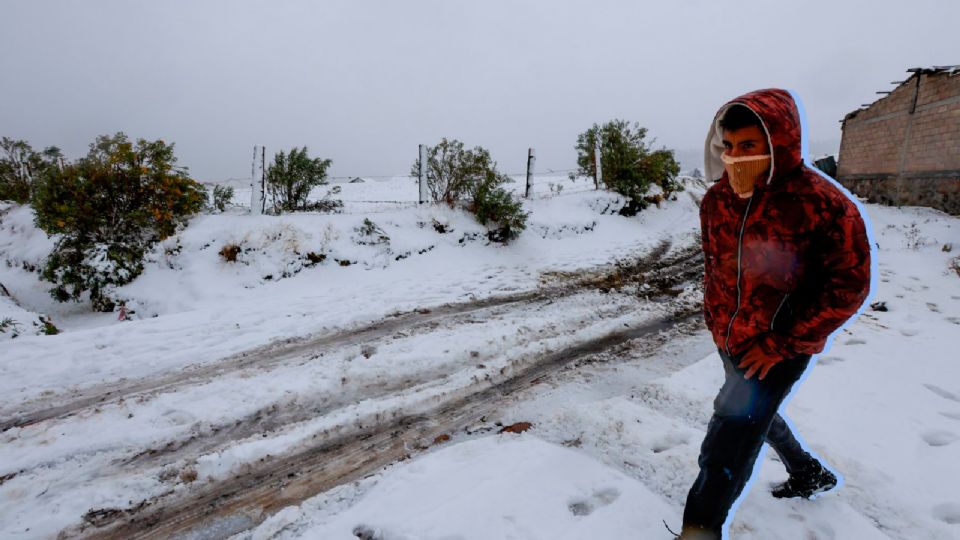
x=630, y=166
x=21, y=167
x=109, y=207
x=222, y=195
x=291, y=177
x=452, y=172
x=470, y=177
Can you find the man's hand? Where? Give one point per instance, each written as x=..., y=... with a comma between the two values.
x=756, y=359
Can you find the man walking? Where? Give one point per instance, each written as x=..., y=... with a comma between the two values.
x=787, y=262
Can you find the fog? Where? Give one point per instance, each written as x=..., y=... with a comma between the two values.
x=365, y=82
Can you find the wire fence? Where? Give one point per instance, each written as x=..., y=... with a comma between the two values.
x=377, y=194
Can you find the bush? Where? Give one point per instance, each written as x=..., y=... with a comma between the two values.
x=109, y=208
x=222, y=195
x=453, y=173
x=370, y=234
x=630, y=165
x=470, y=177
x=292, y=176
x=21, y=168
x=493, y=204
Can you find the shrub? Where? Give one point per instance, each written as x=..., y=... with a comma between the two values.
x=222, y=195
x=493, y=204
x=8, y=323
x=229, y=252
x=21, y=167
x=109, y=208
x=291, y=177
x=452, y=172
x=470, y=177
x=370, y=234
x=630, y=165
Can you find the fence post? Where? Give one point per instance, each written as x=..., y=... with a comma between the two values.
x=598, y=168
x=255, y=208
x=263, y=178
x=531, y=160
x=423, y=173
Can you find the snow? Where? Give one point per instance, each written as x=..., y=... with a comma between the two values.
x=204, y=303
x=505, y=486
x=614, y=443
x=880, y=407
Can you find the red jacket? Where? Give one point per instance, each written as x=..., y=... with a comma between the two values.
x=788, y=266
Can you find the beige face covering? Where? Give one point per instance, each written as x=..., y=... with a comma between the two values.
x=744, y=171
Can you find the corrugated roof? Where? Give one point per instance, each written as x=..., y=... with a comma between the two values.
x=952, y=70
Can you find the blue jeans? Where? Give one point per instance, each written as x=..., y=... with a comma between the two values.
x=745, y=416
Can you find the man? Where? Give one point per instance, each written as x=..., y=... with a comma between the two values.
x=787, y=262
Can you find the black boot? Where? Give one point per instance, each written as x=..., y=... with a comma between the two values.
x=806, y=483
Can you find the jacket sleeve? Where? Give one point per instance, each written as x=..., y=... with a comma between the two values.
x=708, y=262
x=845, y=259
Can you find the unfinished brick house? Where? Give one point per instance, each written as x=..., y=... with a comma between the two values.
x=904, y=149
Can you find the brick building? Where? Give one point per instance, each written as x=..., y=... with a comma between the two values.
x=904, y=149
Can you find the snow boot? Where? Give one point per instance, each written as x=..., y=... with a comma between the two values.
x=806, y=484
x=690, y=532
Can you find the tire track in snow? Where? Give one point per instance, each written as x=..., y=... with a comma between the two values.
x=276, y=354
x=663, y=272
x=273, y=417
x=224, y=508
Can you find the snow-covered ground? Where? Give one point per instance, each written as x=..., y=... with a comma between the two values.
x=336, y=348
x=882, y=407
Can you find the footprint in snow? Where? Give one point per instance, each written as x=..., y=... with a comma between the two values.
x=933, y=307
x=950, y=415
x=820, y=531
x=178, y=418
x=365, y=532
x=945, y=394
x=947, y=513
x=669, y=441
x=827, y=360
x=938, y=437
x=599, y=499
x=855, y=342
x=909, y=332
x=954, y=320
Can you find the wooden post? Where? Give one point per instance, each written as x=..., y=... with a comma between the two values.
x=255, y=207
x=598, y=168
x=263, y=178
x=531, y=160
x=423, y=174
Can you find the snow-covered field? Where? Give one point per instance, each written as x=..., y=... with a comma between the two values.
x=228, y=367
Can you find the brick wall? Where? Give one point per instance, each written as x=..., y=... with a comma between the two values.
x=893, y=156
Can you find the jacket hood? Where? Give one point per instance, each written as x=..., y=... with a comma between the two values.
x=781, y=120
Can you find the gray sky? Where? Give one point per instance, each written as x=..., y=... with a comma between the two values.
x=364, y=82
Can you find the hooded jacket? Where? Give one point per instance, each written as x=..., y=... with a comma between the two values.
x=789, y=265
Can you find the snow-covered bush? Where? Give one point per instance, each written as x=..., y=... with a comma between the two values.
x=222, y=195
x=21, y=167
x=108, y=209
x=291, y=177
x=370, y=234
x=470, y=177
x=630, y=165
x=493, y=204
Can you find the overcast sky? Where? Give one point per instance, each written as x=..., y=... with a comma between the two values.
x=364, y=82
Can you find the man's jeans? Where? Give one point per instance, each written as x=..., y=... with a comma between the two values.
x=745, y=415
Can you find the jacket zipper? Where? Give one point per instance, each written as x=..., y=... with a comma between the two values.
x=743, y=224
x=777, y=312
